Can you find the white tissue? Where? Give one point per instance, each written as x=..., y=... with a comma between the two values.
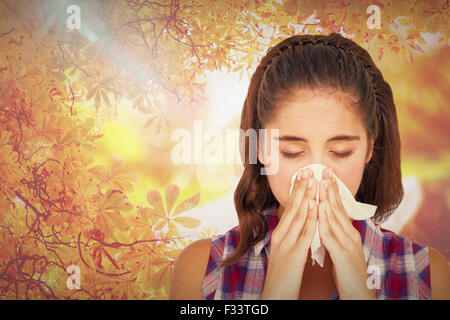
x=355, y=210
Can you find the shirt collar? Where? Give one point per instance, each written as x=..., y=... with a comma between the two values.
x=366, y=228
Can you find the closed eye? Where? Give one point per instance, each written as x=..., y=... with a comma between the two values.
x=290, y=155
x=344, y=154
x=338, y=154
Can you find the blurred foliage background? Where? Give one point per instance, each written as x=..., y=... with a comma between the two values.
x=87, y=116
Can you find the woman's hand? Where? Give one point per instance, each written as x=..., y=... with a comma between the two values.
x=291, y=240
x=343, y=242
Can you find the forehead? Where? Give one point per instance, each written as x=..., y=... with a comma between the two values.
x=313, y=112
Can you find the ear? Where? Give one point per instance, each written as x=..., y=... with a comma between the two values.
x=370, y=150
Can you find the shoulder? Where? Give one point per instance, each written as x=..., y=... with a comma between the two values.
x=189, y=270
x=395, y=246
x=439, y=275
x=439, y=268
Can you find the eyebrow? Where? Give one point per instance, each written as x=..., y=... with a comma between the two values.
x=341, y=137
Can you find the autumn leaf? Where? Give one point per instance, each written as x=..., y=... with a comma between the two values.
x=116, y=200
x=187, y=204
x=172, y=192
x=91, y=93
x=187, y=222
x=169, y=219
x=155, y=200
x=115, y=177
x=161, y=278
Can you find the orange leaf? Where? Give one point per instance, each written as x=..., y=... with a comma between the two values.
x=172, y=192
x=99, y=172
x=155, y=200
x=91, y=93
x=116, y=200
x=187, y=204
x=159, y=260
x=187, y=222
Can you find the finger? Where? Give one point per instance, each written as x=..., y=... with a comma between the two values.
x=323, y=191
x=325, y=233
x=304, y=212
x=339, y=233
x=340, y=212
x=337, y=206
x=306, y=236
x=298, y=193
x=324, y=186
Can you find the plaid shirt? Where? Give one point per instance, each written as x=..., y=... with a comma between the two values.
x=404, y=265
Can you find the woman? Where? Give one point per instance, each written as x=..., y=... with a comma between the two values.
x=331, y=106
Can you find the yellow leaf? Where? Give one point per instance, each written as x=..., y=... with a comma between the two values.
x=91, y=93
x=187, y=204
x=160, y=224
x=118, y=220
x=173, y=230
x=116, y=200
x=187, y=222
x=159, y=260
x=124, y=181
x=237, y=67
x=105, y=98
x=172, y=192
x=150, y=121
x=97, y=100
x=88, y=124
x=69, y=136
x=155, y=200
x=115, y=166
x=99, y=172
x=161, y=278
x=60, y=76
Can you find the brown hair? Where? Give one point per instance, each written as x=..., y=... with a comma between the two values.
x=318, y=62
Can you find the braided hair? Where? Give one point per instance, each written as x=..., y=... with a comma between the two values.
x=319, y=62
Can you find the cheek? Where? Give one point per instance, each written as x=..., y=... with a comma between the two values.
x=351, y=177
x=280, y=182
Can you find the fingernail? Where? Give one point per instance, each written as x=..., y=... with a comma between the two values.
x=311, y=204
x=299, y=175
x=305, y=174
x=310, y=183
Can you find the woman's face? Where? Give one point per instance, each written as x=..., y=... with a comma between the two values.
x=312, y=129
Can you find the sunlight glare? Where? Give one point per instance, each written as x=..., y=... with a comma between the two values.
x=226, y=96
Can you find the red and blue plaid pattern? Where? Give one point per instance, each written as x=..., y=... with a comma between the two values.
x=403, y=264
